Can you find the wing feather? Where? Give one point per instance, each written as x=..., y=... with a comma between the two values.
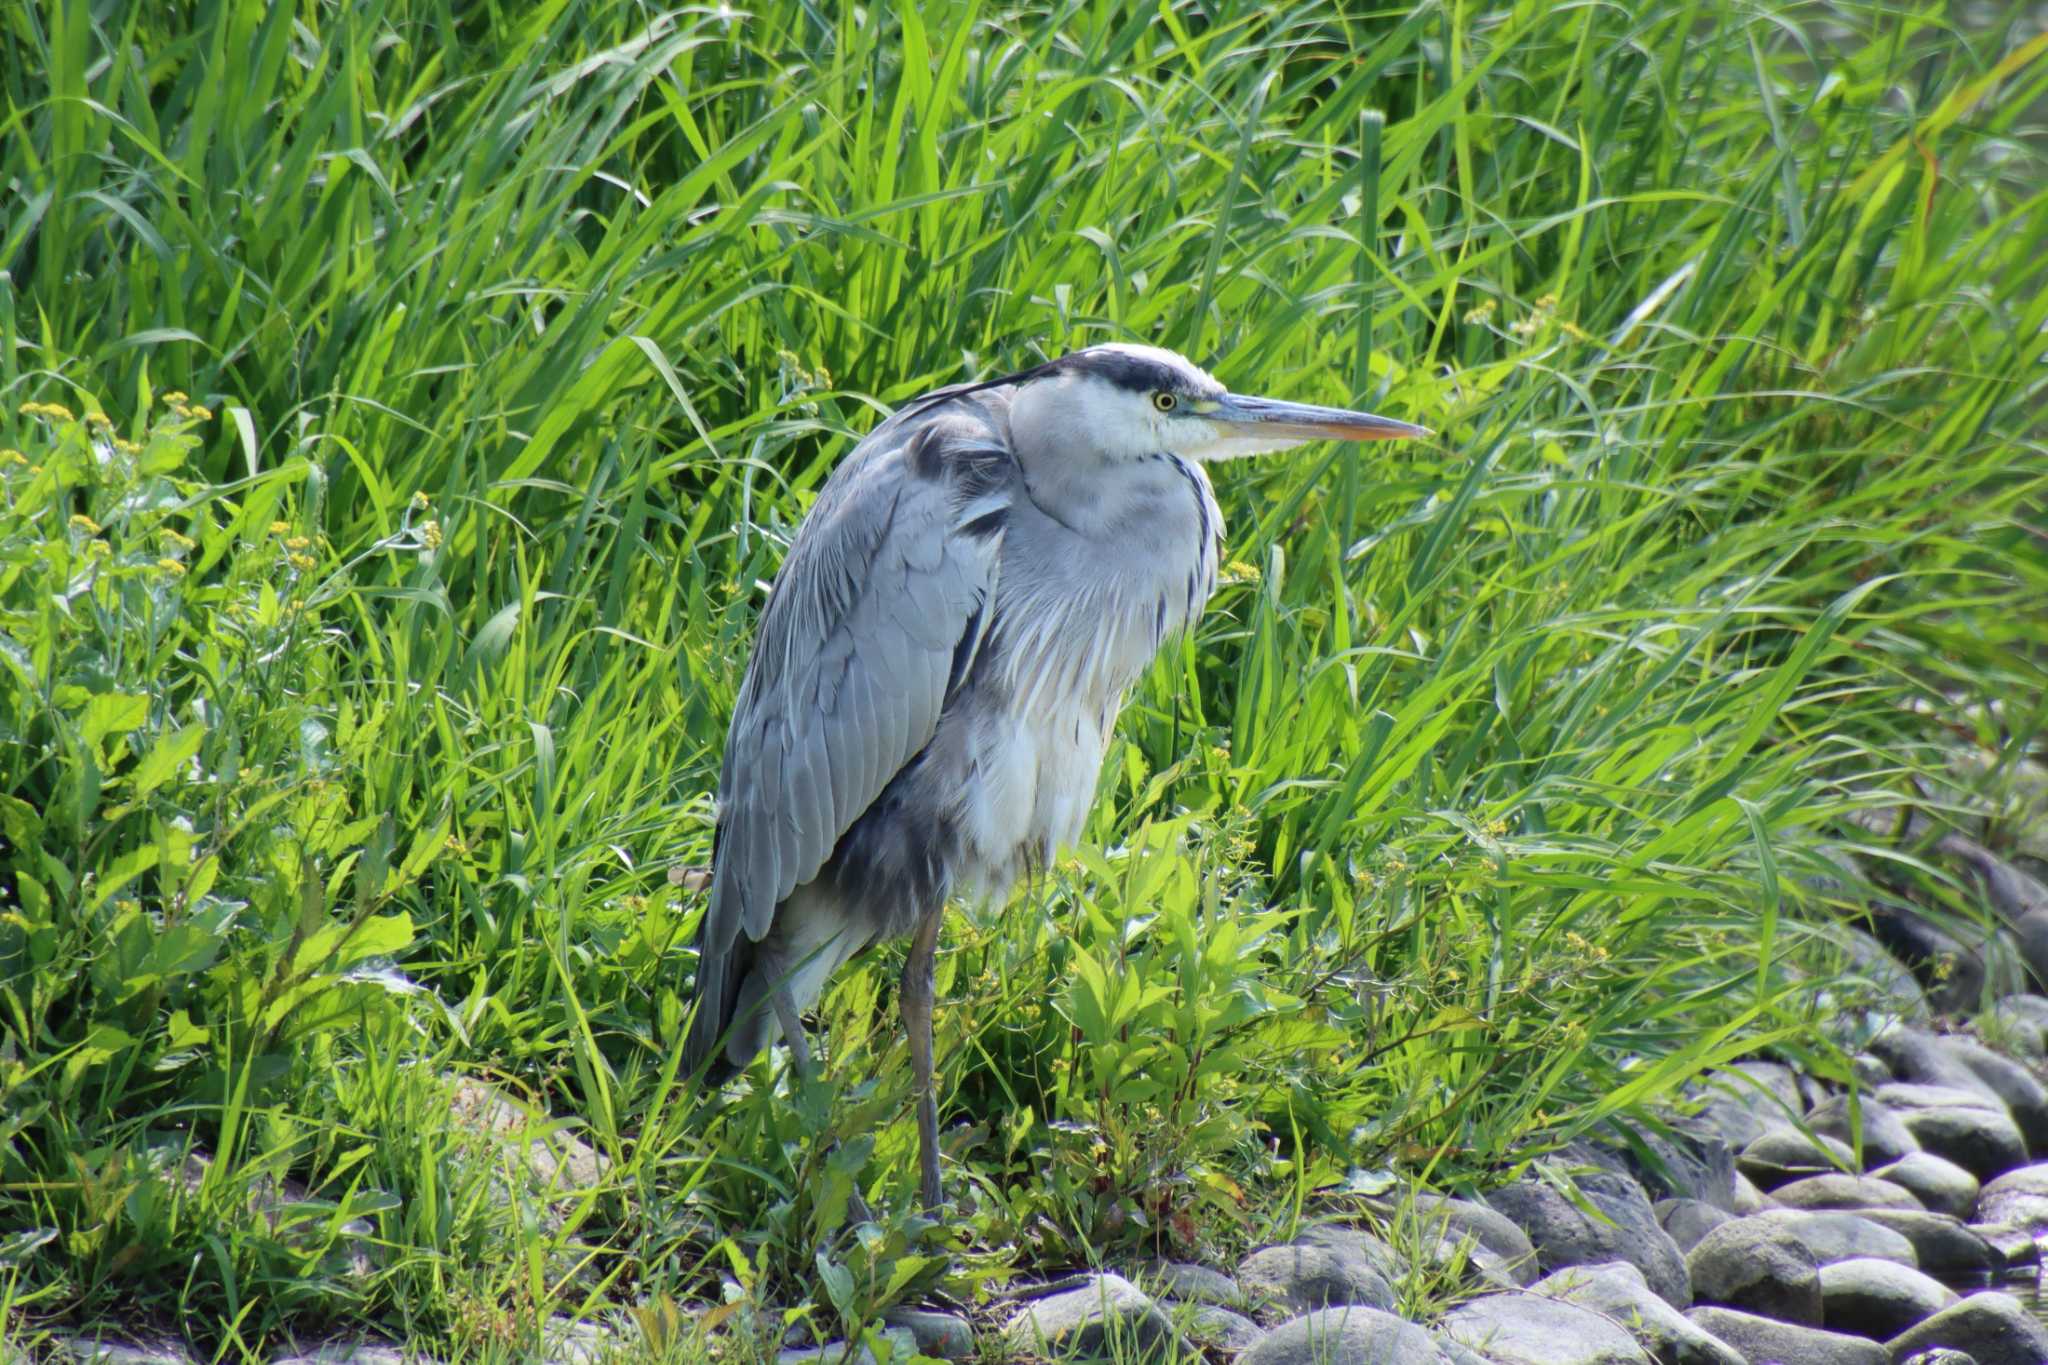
x=849, y=673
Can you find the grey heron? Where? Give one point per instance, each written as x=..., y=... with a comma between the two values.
x=939, y=663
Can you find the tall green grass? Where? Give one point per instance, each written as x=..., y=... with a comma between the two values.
x=1475, y=814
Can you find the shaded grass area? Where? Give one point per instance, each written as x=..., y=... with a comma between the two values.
x=355, y=708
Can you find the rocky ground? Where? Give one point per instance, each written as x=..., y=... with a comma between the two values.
x=1784, y=1219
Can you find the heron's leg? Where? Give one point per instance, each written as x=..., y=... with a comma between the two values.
x=917, y=1022
x=792, y=1030
x=800, y=1054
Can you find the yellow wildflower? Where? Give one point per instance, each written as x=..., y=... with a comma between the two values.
x=297, y=543
x=200, y=411
x=12, y=456
x=177, y=540
x=420, y=502
x=171, y=567
x=53, y=410
x=174, y=397
x=301, y=562
x=126, y=447
x=99, y=549
x=1484, y=310
x=278, y=528
x=99, y=421
x=85, y=523
x=1237, y=571
x=430, y=534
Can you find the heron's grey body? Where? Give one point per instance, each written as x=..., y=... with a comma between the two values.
x=939, y=665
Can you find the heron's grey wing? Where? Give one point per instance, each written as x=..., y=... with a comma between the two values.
x=890, y=578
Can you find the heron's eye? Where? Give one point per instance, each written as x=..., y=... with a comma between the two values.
x=1164, y=401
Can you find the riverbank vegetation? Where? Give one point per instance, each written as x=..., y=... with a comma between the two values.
x=403, y=407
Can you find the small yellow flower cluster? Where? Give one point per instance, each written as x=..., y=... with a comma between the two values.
x=1545, y=312
x=177, y=540
x=1484, y=310
x=1590, y=951
x=301, y=562
x=420, y=502
x=81, y=522
x=99, y=549
x=1237, y=571
x=280, y=528
x=99, y=422
x=455, y=845
x=297, y=543
x=56, y=412
x=821, y=378
x=1496, y=827
x=171, y=567
x=11, y=456
x=178, y=401
x=430, y=534
x=126, y=446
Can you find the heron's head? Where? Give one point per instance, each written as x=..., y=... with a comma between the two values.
x=1126, y=402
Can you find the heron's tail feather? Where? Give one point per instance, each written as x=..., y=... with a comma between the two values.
x=810, y=939
x=715, y=997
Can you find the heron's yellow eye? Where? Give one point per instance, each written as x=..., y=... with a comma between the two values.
x=1164, y=401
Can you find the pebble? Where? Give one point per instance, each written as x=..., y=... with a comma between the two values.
x=1835, y=1235
x=1688, y=1220
x=1885, y=1137
x=1190, y=1283
x=1879, y=1299
x=2014, y=1246
x=1786, y=1154
x=902, y=1346
x=2018, y=1197
x=1565, y=1236
x=1940, y=1243
x=1619, y=1291
x=1305, y=1275
x=1208, y=1325
x=944, y=1336
x=1079, y=1321
x=1974, y=1132
x=2023, y=1021
x=1531, y=1329
x=1758, y=1266
x=1775, y=1079
x=1939, y=1184
x=1344, y=1336
x=1994, y=1328
x=1462, y=1218
x=1766, y=1339
x=1838, y=1191
x=2024, y=1097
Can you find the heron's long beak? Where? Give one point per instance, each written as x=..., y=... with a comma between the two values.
x=1269, y=419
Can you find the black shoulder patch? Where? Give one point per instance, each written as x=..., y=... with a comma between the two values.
x=926, y=455
x=987, y=524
